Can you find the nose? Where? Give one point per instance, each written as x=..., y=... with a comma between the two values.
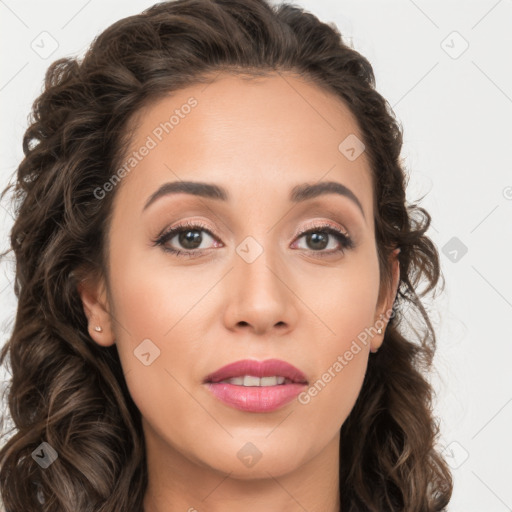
x=260, y=296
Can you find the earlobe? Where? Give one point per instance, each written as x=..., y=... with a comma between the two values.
x=95, y=304
x=387, y=303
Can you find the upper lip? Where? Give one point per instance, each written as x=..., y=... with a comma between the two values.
x=267, y=368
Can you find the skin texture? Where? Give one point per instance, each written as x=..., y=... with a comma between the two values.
x=257, y=138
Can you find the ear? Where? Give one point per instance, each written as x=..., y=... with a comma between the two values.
x=386, y=300
x=92, y=291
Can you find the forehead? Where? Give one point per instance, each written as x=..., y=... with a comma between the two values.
x=263, y=135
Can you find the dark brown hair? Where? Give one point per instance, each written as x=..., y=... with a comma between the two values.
x=70, y=392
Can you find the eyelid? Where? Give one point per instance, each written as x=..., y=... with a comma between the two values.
x=318, y=224
x=183, y=225
x=314, y=224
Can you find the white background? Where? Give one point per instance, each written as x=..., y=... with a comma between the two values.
x=456, y=110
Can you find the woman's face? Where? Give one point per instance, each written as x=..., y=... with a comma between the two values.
x=252, y=287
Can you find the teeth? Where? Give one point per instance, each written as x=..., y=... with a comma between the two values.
x=270, y=381
x=251, y=381
x=237, y=381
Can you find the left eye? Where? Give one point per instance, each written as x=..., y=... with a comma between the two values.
x=319, y=238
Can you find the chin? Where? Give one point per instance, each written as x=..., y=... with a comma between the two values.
x=251, y=463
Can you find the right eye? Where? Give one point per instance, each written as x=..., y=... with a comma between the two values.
x=188, y=236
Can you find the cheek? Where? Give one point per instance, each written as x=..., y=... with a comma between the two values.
x=345, y=301
x=346, y=308
x=151, y=301
x=157, y=343
x=341, y=360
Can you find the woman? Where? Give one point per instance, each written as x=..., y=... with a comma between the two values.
x=215, y=263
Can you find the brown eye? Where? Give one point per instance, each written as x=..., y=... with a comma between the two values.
x=318, y=239
x=188, y=239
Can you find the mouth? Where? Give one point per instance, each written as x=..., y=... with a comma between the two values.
x=256, y=386
x=251, y=373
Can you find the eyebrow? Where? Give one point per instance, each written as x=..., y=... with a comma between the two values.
x=298, y=193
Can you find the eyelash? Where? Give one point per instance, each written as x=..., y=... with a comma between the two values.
x=344, y=239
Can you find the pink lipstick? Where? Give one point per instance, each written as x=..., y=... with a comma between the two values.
x=256, y=386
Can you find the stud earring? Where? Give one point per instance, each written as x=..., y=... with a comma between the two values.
x=98, y=329
x=379, y=330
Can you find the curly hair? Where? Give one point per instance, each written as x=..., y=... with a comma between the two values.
x=70, y=392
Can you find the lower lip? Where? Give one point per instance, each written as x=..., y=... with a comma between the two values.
x=255, y=398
